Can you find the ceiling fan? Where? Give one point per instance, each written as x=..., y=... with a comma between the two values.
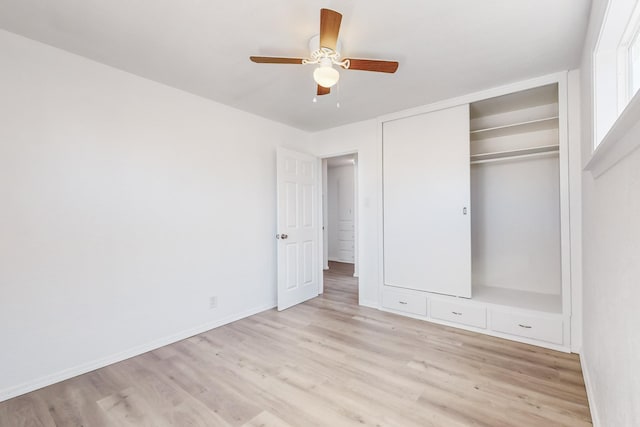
x=325, y=51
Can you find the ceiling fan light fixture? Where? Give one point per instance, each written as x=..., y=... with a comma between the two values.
x=326, y=76
x=325, y=51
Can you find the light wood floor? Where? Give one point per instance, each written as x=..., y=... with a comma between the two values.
x=326, y=362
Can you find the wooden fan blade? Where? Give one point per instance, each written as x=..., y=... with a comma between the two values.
x=323, y=90
x=329, y=28
x=373, y=65
x=274, y=60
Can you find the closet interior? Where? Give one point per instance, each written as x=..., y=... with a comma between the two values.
x=515, y=200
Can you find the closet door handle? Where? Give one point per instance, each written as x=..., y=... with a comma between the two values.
x=464, y=210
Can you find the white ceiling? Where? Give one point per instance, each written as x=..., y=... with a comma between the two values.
x=445, y=48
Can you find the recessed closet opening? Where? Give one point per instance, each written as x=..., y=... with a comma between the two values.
x=475, y=225
x=340, y=223
x=515, y=200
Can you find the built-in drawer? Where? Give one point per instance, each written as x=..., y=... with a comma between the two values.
x=345, y=245
x=345, y=255
x=530, y=326
x=345, y=235
x=464, y=314
x=410, y=303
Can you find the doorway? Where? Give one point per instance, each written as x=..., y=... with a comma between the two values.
x=340, y=285
x=340, y=225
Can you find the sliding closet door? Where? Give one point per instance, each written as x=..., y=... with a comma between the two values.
x=427, y=243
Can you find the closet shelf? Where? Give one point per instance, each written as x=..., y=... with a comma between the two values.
x=514, y=154
x=546, y=123
x=548, y=303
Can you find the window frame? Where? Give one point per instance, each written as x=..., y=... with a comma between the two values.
x=632, y=85
x=612, y=65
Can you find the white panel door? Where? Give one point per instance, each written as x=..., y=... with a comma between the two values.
x=297, y=228
x=427, y=243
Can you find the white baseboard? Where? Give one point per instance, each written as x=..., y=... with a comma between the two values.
x=370, y=304
x=65, y=374
x=343, y=261
x=595, y=418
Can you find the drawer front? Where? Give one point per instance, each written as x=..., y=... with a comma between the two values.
x=345, y=235
x=539, y=328
x=416, y=304
x=345, y=245
x=459, y=313
x=345, y=225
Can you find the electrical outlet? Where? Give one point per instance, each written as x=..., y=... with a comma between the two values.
x=213, y=302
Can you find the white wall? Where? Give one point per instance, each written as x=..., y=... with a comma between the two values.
x=340, y=208
x=515, y=225
x=361, y=138
x=611, y=273
x=125, y=205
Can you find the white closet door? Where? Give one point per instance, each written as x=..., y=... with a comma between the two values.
x=427, y=231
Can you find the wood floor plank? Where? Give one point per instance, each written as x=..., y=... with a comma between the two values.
x=326, y=362
x=74, y=402
x=266, y=419
x=25, y=411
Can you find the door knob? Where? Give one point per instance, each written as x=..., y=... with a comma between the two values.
x=284, y=236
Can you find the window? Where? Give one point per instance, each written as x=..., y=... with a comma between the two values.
x=616, y=64
x=634, y=65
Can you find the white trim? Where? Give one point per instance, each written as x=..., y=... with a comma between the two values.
x=485, y=331
x=476, y=96
x=630, y=34
x=593, y=409
x=380, y=185
x=356, y=222
x=325, y=215
x=334, y=259
x=65, y=374
x=594, y=75
x=629, y=80
x=356, y=217
x=614, y=147
x=370, y=304
x=565, y=203
x=610, y=66
x=321, y=231
x=575, y=204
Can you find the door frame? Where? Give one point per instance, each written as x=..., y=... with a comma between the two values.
x=356, y=215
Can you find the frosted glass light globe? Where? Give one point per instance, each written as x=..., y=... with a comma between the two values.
x=326, y=76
